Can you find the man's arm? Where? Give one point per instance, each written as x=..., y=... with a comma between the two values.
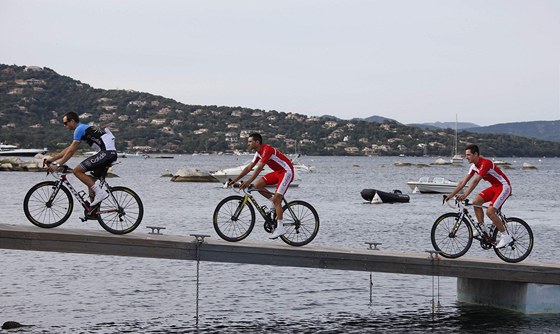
x=244, y=172
x=458, y=187
x=473, y=185
x=247, y=183
x=67, y=153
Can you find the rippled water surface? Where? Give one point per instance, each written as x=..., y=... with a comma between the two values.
x=75, y=293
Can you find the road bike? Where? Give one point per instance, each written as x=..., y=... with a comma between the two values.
x=49, y=204
x=453, y=233
x=234, y=219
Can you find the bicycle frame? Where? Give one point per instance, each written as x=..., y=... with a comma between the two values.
x=249, y=197
x=62, y=179
x=464, y=212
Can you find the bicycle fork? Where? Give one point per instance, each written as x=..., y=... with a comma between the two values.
x=54, y=193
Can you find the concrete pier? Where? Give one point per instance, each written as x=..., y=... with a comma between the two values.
x=479, y=279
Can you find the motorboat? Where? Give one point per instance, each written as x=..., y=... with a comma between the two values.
x=119, y=154
x=223, y=175
x=14, y=151
x=375, y=196
x=432, y=185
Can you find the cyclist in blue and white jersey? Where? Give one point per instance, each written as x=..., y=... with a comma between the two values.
x=101, y=140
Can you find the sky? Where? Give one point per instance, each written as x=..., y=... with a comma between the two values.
x=415, y=61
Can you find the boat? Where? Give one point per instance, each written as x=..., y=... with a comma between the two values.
x=432, y=185
x=14, y=151
x=92, y=153
x=375, y=196
x=223, y=175
x=457, y=159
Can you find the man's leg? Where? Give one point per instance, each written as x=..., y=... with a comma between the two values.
x=479, y=213
x=493, y=215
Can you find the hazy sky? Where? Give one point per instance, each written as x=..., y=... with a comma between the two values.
x=487, y=61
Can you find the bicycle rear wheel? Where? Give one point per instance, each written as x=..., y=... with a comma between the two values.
x=451, y=237
x=44, y=210
x=522, y=243
x=301, y=222
x=233, y=220
x=121, y=212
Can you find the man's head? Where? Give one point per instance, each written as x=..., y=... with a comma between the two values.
x=254, y=141
x=71, y=120
x=472, y=153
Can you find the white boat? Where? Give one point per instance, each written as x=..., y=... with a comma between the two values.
x=432, y=185
x=457, y=159
x=14, y=151
x=119, y=154
x=223, y=175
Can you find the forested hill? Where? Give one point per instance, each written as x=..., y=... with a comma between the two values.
x=33, y=101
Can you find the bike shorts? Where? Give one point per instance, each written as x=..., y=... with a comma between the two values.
x=281, y=179
x=98, y=162
x=496, y=195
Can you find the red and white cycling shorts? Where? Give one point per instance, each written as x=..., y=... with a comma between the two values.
x=496, y=195
x=282, y=179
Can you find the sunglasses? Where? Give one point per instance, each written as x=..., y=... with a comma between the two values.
x=65, y=123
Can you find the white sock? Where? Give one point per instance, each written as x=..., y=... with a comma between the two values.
x=280, y=224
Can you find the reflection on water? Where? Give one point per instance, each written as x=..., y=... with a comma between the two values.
x=68, y=293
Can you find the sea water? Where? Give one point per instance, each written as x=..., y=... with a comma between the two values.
x=77, y=293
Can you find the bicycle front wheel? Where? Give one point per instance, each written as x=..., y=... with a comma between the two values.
x=451, y=236
x=47, y=207
x=234, y=220
x=301, y=222
x=522, y=243
x=121, y=212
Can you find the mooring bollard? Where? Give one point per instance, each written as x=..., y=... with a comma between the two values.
x=374, y=244
x=155, y=229
x=199, y=239
x=434, y=256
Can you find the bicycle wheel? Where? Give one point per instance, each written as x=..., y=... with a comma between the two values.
x=233, y=220
x=301, y=222
x=121, y=212
x=451, y=237
x=522, y=243
x=46, y=209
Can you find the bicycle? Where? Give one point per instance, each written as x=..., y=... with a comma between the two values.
x=452, y=234
x=234, y=219
x=49, y=204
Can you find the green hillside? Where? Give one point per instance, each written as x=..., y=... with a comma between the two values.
x=33, y=101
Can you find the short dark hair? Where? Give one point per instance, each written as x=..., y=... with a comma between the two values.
x=474, y=148
x=256, y=137
x=72, y=115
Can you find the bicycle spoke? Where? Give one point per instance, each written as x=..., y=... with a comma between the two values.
x=451, y=237
x=232, y=221
x=522, y=244
x=42, y=213
x=301, y=222
x=122, y=212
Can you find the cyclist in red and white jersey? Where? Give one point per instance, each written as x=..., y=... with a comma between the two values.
x=496, y=194
x=282, y=175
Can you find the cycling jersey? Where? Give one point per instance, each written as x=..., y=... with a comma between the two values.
x=274, y=159
x=283, y=170
x=500, y=190
x=99, y=139
x=489, y=172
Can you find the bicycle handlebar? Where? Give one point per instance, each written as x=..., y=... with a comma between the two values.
x=60, y=169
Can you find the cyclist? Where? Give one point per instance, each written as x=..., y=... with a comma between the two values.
x=102, y=140
x=496, y=194
x=282, y=175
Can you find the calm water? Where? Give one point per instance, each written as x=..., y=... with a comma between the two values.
x=70, y=293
